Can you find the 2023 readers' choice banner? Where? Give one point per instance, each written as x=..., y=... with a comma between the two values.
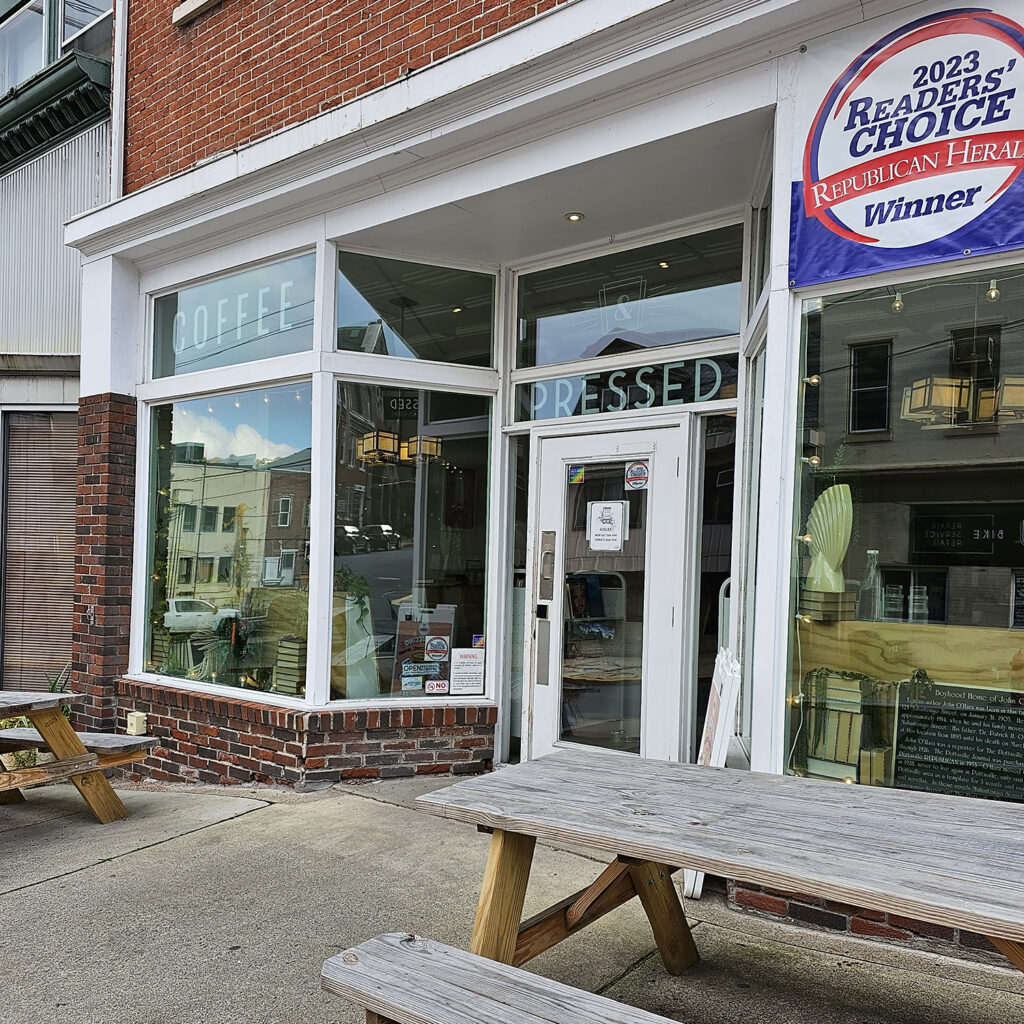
x=913, y=154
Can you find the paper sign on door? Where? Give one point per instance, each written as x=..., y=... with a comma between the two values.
x=606, y=524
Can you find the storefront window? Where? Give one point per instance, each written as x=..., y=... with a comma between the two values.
x=908, y=586
x=410, y=540
x=669, y=293
x=229, y=574
x=398, y=308
x=263, y=312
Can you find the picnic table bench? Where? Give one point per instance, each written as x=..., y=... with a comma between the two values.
x=947, y=860
x=80, y=757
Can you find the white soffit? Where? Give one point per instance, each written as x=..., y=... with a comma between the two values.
x=679, y=179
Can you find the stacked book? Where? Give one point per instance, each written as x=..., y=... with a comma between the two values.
x=824, y=607
x=836, y=728
x=290, y=668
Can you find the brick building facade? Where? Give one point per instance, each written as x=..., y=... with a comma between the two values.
x=244, y=69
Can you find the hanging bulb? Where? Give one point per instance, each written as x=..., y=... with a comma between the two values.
x=897, y=303
x=266, y=398
x=238, y=404
x=993, y=291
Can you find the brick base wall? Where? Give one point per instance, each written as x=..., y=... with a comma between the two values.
x=841, y=917
x=235, y=741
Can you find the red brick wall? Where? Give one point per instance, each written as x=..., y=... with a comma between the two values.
x=233, y=740
x=103, y=554
x=249, y=67
x=841, y=917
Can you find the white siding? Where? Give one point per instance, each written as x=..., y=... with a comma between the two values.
x=40, y=277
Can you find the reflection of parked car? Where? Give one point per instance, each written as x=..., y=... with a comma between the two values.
x=349, y=540
x=382, y=538
x=185, y=614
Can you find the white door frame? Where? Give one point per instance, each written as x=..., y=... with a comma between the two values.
x=684, y=544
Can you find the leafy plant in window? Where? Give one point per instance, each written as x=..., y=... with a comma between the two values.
x=357, y=588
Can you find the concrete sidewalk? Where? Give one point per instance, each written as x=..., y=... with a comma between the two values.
x=205, y=908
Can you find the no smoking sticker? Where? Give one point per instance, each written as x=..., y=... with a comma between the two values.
x=637, y=476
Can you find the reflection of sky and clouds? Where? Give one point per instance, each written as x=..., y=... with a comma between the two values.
x=414, y=310
x=355, y=314
x=638, y=324
x=667, y=293
x=263, y=425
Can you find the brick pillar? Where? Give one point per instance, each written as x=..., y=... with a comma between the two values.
x=103, y=554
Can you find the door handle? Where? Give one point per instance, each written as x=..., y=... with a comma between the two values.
x=546, y=569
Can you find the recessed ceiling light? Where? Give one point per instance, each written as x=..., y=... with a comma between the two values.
x=574, y=218
x=663, y=265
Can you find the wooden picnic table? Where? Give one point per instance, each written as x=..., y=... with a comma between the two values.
x=72, y=760
x=951, y=861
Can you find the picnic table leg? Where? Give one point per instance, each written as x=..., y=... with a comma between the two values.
x=97, y=792
x=668, y=921
x=500, y=909
x=1013, y=951
x=11, y=796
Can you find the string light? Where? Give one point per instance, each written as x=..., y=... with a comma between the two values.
x=897, y=303
x=993, y=292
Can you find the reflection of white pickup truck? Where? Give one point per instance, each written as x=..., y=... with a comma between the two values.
x=185, y=614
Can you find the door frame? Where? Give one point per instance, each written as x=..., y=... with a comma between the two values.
x=687, y=419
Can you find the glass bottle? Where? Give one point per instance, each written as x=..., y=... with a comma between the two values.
x=867, y=598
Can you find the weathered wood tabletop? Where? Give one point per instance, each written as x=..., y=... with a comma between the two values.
x=15, y=703
x=72, y=762
x=948, y=860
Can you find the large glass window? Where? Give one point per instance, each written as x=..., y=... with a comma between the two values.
x=398, y=308
x=410, y=541
x=908, y=583
x=244, y=624
x=668, y=293
x=22, y=46
x=267, y=311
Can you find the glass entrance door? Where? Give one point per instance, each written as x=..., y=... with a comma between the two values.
x=610, y=561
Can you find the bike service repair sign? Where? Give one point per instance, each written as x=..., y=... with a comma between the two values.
x=912, y=155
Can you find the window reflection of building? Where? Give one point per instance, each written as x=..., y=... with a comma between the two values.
x=238, y=484
x=230, y=562
x=421, y=463
x=938, y=497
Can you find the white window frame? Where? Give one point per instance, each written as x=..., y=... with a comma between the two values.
x=323, y=366
x=284, y=510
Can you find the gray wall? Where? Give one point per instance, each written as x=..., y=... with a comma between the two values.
x=40, y=278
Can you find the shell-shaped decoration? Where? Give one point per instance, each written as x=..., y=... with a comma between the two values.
x=829, y=526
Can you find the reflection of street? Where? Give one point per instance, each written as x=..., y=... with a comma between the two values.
x=390, y=577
